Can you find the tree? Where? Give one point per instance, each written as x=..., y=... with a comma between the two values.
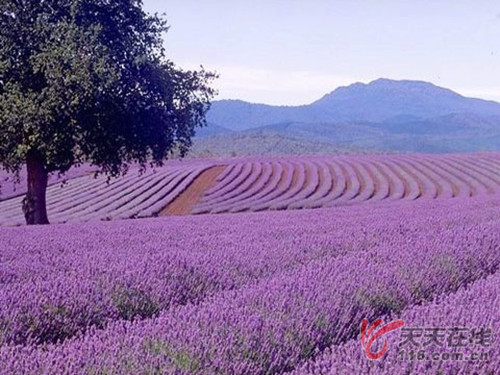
x=88, y=81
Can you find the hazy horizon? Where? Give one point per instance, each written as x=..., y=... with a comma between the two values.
x=366, y=83
x=293, y=52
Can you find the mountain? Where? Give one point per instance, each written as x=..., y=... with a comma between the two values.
x=383, y=115
x=377, y=101
x=384, y=99
x=212, y=130
x=238, y=115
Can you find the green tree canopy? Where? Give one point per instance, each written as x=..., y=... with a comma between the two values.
x=89, y=81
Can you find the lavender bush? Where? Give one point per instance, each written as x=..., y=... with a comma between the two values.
x=474, y=308
x=255, y=293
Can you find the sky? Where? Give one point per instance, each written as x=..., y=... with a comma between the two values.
x=292, y=52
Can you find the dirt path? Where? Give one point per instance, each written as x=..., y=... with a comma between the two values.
x=184, y=203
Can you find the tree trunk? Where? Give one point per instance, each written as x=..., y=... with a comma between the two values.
x=34, y=204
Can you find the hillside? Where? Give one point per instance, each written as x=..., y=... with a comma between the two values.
x=261, y=142
x=384, y=115
x=383, y=99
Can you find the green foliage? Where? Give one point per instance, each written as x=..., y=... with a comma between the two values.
x=181, y=359
x=88, y=81
x=132, y=303
x=381, y=302
x=447, y=267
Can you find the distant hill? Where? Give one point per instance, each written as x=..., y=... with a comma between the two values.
x=383, y=115
x=385, y=99
x=212, y=130
x=258, y=142
x=238, y=115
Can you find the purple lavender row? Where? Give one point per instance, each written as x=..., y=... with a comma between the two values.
x=367, y=187
x=296, y=188
x=22, y=251
x=77, y=183
x=338, y=187
x=226, y=177
x=363, y=179
x=101, y=197
x=232, y=180
x=310, y=187
x=90, y=275
x=57, y=195
x=9, y=188
x=478, y=183
x=474, y=349
x=424, y=176
x=380, y=181
x=130, y=196
x=247, y=192
x=90, y=194
x=490, y=178
x=76, y=196
x=242, y=190
x=277, y=323
x=266, y=185
x=282, y=186
x=325, y=184
x=413, y=186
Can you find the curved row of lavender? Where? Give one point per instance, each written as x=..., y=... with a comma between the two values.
x=136, y=194
x=260, y=293
x=475, y=308
x=320, y=181
x=255, y=184
x=10, y=186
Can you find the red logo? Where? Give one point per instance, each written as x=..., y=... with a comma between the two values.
x=367, y=341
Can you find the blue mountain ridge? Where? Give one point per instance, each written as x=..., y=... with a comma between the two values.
x=383, y=115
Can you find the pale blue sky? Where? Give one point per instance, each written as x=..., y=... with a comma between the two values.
x=295, y=51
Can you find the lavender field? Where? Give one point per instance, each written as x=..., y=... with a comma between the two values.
x=249, y=187
x=250, y=184
x=271, y=292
